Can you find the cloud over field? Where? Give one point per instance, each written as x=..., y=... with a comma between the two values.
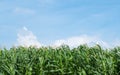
x=27, y=38
x=79, y=40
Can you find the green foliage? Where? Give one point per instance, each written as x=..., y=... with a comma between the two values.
x=82, y=60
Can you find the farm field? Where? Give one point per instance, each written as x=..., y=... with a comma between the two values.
x=59, y=37
x=82, y=60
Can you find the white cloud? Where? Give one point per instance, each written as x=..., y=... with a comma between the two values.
x=116, y=43
x=79, y=40
x=103, y=44
x=23, y=11
x=27, y=38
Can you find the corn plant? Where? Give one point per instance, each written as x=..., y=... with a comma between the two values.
x=82, y=60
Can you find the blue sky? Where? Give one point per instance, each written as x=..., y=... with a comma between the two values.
x=51, y=20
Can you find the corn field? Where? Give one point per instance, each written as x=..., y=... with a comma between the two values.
x=82, y=60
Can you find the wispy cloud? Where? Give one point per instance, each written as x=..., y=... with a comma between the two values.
x=19, y=10
x=27, y=38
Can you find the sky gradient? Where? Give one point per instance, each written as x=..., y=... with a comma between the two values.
x=52, y=20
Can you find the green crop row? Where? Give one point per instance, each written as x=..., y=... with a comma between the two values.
x=82, y=60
